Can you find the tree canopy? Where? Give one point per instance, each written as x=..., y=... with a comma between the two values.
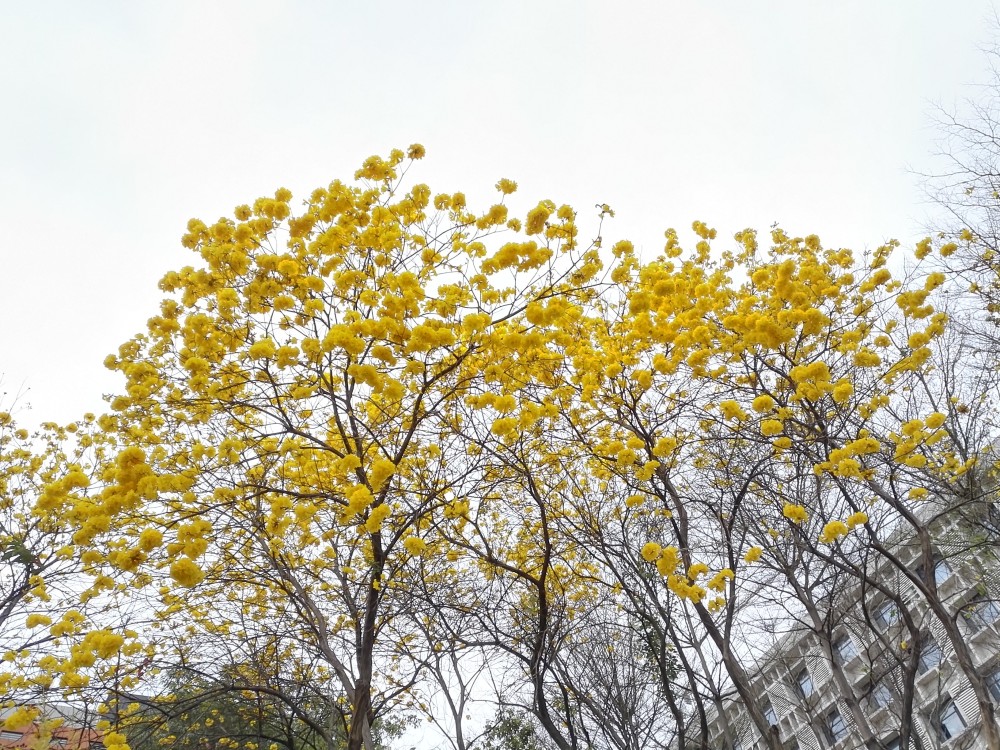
x=377, y=426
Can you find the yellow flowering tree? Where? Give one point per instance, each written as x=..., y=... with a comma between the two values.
x=290, y=411
x=352, y=417
x=715, y=374
x=53, y=636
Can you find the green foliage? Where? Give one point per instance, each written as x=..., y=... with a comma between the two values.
x=511, y=730
x=204, y=713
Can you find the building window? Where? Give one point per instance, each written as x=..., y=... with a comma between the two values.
x=930, y=655
x=892, y=744
x=992, y=521
x=770, y=716
x=886, y=614
x=11, y=736
x=942, y=571
x=981, y=612
x=805, y=683
x=950, y=722
x=881, y=696
x=843, y=649
x=836, y=727
x=993, y=685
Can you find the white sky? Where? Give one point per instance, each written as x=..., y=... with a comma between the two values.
x=121, y=120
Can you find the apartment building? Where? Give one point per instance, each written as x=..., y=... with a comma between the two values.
x=806, y=706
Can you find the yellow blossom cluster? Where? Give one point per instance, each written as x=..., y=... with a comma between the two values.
x=795, y=513
x=685, y=585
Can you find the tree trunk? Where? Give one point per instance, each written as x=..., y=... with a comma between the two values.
x=359, y=738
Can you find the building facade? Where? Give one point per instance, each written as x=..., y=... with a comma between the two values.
x=57, y=728
x=805, y=679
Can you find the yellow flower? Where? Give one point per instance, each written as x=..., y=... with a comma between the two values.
x=697, y=570
x=503, y=426
x=732, y=410
x=665, y=446
x=380, y=471
x=753, y=554
x=186, y=572
x=650, y=551
x=857, y=519
x=150, y=539
x=667, y=562
x=263, y=349
x=923, y=248
x=537, y=217
x=633, y=501
x=848, y=467
x=842, y=390
x=795, y=513
x=770, y=427
x=934, y=280
x=506, y=186
x=719, y=580
x=20, y=718
x=935, y=420
x=376, y=517
x=865, y=357
x=833, y=531
x=763, y=403
x=415, y=545
x=863, y=446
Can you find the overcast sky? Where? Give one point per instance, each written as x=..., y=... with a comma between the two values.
x=121, y=120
